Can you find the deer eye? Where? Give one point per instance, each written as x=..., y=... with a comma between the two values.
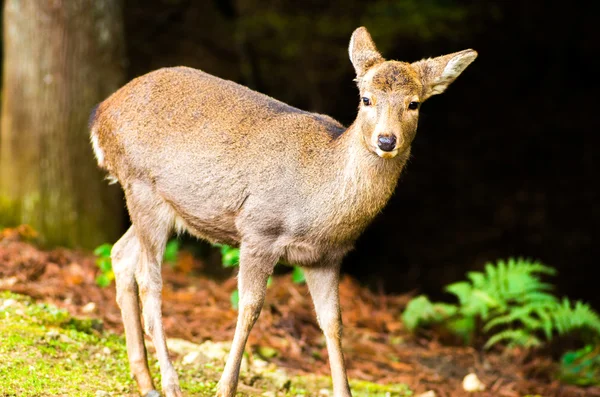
x=366, y=101
x=413, y=105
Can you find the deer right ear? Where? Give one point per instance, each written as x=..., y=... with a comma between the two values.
x=363, y=52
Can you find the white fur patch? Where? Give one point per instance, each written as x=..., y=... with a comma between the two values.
x=111, y=179
x=386, y=155
x=180, y=225
x=97, y=150
x=452, y=70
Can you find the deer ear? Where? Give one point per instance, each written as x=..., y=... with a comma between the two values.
x=363, y=52
x=437, y=73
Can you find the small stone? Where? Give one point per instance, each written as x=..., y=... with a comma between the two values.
x=8, y=282
x=191, y=357
x=7, y=303
x=65, y=339
x=324, y=392
x=89, y=308
x=106, y=351
x=258, y=365
x=52, y=334
x=471, y=383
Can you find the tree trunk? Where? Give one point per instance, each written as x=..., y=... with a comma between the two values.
x=60, y=59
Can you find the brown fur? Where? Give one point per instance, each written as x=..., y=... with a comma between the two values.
x=194, y=152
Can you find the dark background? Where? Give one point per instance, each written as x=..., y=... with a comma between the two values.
x=503, y=164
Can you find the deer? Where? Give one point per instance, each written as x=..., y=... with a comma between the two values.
x=195, y=153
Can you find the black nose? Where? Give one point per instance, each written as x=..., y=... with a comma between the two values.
x=386, y=143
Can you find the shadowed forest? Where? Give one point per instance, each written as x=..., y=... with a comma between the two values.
x=503, y=166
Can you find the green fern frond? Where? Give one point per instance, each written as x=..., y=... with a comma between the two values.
x=420, y=311
x=477, y=279
x=568, y=317
x=513, y=338
x=462, y=290
x=511, y=298
x=533, y=317
x=536, y=297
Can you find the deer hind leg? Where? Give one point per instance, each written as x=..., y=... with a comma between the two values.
x=255, y=269
x=153, y=222
x=323, y=284
x=125, y=256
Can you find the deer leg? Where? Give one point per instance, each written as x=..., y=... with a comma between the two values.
x=149, y=281
x=125, y=255
x=323, y=283
x=254, y=272
x=153, y=221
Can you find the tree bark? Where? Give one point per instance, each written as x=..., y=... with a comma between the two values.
x=60, y=59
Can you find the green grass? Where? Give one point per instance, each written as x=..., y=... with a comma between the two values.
x=44, y=351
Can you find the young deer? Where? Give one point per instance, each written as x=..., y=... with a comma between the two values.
x=230, y=165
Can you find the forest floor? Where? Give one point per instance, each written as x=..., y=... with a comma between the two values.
x=46, y=351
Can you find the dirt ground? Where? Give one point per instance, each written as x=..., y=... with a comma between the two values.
x=377, y=347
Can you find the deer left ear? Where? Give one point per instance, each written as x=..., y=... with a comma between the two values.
x=438, y=73
x=363, y=52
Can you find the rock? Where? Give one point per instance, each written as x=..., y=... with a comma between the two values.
x=280, y=379
x=181, y=347
x=5, y=283
x=191, y=357
x=89, y=308
x=7, y=303
x=215, y=350
x=471, y=383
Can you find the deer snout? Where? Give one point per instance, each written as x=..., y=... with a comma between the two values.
x=386, y=143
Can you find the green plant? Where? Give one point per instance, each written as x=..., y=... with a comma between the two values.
x=511, y=302
x=230, y=257
x=104, y=262
x=582, y=366
x=171, y=251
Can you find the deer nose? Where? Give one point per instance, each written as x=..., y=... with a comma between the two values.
x=386, y=143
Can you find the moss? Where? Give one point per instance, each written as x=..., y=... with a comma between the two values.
x=46, y=351
x=308, y=385
x=38, y=356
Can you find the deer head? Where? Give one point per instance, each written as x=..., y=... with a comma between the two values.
x=391, y=92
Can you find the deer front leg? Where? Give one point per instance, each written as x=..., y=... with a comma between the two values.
x=255, y=269
x=323, y=283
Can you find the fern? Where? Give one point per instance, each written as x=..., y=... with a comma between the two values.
x=513, y=338
x=568, y=318
x=421, y=310
x=582, y=366
x=511, y=301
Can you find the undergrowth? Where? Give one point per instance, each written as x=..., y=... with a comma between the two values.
x=510, y=304
x=230, y=257
x=102, y=253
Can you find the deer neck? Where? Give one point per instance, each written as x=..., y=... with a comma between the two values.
x=363, y=184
